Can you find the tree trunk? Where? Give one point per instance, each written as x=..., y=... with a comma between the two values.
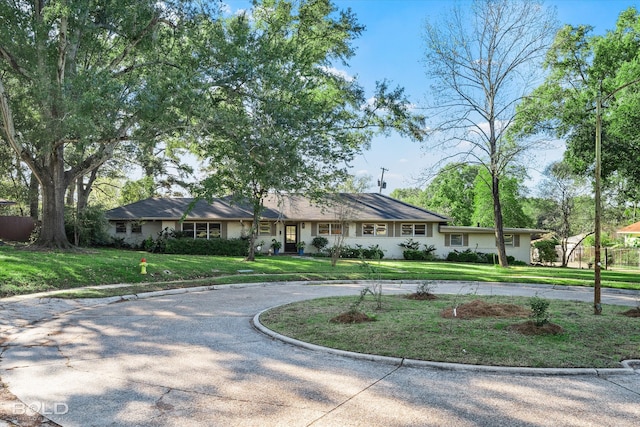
x=497, y=212
x=34, y=192
x=84, y=190
x=255, y=223
x=52, y=233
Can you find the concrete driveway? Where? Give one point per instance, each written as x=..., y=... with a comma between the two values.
x=194, y=358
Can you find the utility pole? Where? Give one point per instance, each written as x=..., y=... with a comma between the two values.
x=597, y=264
x=381, y=182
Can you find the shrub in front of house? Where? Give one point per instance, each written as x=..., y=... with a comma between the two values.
x=224, y=247
x=476, y=257
x=319, y=242
x=412, y=252
x=372, y=252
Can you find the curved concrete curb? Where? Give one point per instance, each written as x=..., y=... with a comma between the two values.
x=626, y=369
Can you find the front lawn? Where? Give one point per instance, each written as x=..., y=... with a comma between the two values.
x=24, y=271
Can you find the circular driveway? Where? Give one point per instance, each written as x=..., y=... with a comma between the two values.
x=194, y=358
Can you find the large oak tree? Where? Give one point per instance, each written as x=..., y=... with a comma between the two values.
x=76, y=79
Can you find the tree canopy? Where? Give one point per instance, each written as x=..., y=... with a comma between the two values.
x=285, y=120
x=77, y=79
x=583, y=66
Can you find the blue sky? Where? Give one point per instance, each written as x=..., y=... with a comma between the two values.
x=391, y=48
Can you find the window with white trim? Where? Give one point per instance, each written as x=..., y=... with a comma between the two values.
x=369, y=229
x=508, y=239
x=328, y=228
x=414, y=230
x=121, y=227
x=456, y=239
x=202, y=230
x=136, y=228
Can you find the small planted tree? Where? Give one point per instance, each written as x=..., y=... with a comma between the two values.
x=539, y=313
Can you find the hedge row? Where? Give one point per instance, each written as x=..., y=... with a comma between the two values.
x=224, y=247
x=476, y=257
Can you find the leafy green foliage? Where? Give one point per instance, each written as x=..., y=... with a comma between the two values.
x=77, y=83
x=360, y=252
x=319, y=242
x=475, y=257
x=539, y=307
x=410, y=244
x=581, y=66
x=223, y=247
x=452, y=191
x=512, y=202
x=285, y=121
x=89, y=226
x=427, y=254
x=546, y=250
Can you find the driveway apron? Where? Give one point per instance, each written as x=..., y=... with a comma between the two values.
x=195, y=359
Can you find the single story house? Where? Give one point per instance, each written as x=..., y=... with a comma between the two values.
x=360, y=219
x=631, y=234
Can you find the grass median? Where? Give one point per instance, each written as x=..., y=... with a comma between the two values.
x=422, y=330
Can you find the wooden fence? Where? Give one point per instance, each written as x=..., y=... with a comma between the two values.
x=16, y=228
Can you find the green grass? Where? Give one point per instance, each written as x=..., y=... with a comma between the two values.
x=404, y=328
x=416, y=330
x=24, y=271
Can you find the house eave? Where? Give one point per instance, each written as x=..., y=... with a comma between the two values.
x=485, y=230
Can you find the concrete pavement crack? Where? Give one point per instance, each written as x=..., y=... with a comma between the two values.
x=622, y=386
x=358, y=393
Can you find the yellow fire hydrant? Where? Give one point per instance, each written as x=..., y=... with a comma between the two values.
x=143, y=266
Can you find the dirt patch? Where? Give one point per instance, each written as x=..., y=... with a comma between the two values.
x=634, y=312
x=422, y=296
x=530, y=328
x=478, y=308
x=352, y=317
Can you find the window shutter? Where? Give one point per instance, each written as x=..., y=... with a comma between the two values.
x=314, y=229
x=516, y=240
x=358, y=229
x=465, y=239
x=223, y=230
x=429, y=230
x=345, y=229
x=447, y=240
x=273, y=228
x=397, y=230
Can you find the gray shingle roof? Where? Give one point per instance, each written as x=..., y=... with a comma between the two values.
x=358, y=206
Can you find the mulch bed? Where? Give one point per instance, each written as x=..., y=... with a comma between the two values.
x=352, y=317
x=634, y=312
x=478, y=308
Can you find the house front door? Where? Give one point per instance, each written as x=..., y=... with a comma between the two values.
x=290, y=238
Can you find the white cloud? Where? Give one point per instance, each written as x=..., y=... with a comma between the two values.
x=338, y=73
